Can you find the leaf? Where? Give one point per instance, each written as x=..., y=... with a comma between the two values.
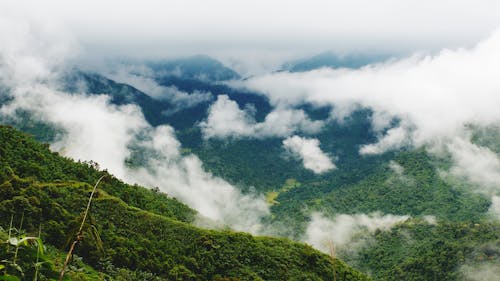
x=9, y=278
x=97, y=238
x=39, y=264
x=40, y=245
x=13, y=241
x=24, y=241
x=17, y=267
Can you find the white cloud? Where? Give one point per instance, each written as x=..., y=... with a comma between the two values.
x=392, y=140
x=257, y=28
x=430, y=219
x=93, y=129
x=310, y=153
x=183, y=177
x=141, y=77
x=495, y=207
x=342, y=229
x=433, y=96
x=485, y=271
x=396, y=168
x=476, y=164
x=226, y=119
x=399, y=176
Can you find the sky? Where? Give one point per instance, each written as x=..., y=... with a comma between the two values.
x=253, y=36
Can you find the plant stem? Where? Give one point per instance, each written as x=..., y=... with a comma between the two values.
x=35, y=278
x=10, y=231
x=19, y=234
x=79, y=236
x=332, y=256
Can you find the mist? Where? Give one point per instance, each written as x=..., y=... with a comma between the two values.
x=308, y=150
x=258, y=36
x=226, y=120
x=343, y=229
x=487, y=271
x=141, y=77
x=436, y=99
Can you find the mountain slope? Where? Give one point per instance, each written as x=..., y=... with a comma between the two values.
x=139, y=228
x=196, y=67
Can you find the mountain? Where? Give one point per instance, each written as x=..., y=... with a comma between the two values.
x=155, y=110
x=332, y=60
x=143, y=232
x=196, y=67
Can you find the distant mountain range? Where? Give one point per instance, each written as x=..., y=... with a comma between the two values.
x=332, y=60
x=199, y=67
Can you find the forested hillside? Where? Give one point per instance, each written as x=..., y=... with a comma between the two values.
x=132, y=233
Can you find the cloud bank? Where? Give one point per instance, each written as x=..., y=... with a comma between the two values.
x=435, y=98
x=141, y=77
x=226, y=120
x=310, y=153
x=436, y=95
x=486, y=271
x=342, y=229
x=260, y=29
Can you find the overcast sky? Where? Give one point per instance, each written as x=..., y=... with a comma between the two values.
x=265, y=31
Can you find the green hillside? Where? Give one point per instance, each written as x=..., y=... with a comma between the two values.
x=145, y=234
x=417, y=250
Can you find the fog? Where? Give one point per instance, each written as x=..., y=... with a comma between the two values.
x=256, y=36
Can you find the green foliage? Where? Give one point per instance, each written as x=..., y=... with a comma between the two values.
x=263, y=163
x=416, y=250
x=147, y=243
x=23, y=257
x=25, y=157
x=416, y=190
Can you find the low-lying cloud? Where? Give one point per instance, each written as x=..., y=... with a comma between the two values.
x=399, y=176
x=476, y=164
x=310, y=153
x=482, y=265
x=434, y=98
x=486, y=271
x=395, y=138
x=227, y=120
x=142, y=78
x=495, y=207
x=342, y=229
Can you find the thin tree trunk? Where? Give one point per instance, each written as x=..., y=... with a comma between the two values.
x=79, y=236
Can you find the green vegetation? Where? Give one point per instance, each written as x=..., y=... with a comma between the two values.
x=416, y=190
x=28, y=158
x=146, y=235
x=417, y=250
x=287, y=186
